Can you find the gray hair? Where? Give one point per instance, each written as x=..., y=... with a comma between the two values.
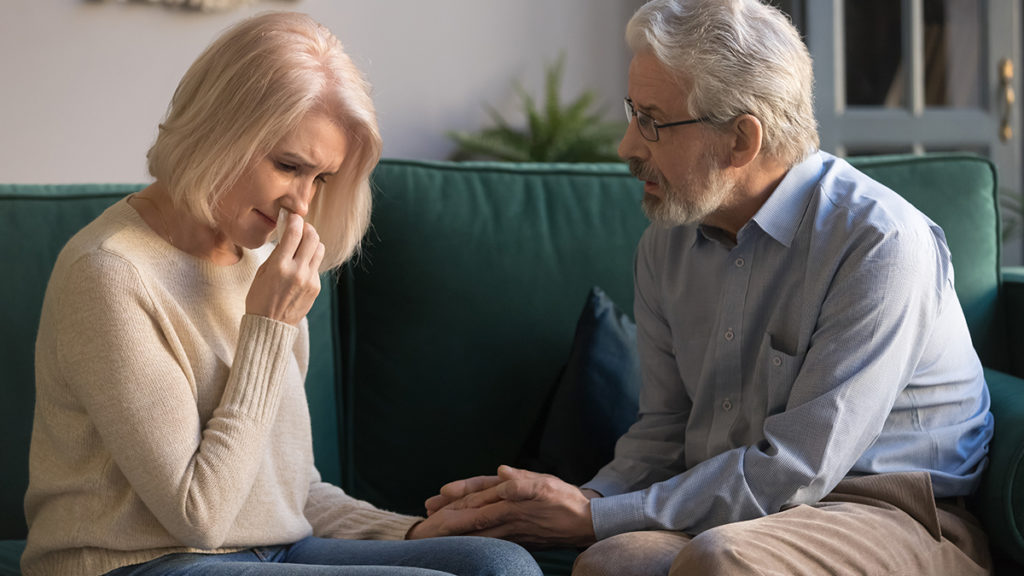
x=741, y=57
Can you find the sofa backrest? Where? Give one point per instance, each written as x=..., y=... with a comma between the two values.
x=35, y=223
x=463, y=308
x=959, y=193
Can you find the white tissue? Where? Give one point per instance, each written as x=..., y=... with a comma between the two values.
x=282, y=223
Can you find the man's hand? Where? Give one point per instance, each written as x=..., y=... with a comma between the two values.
x=517, y=505
x=460, y=489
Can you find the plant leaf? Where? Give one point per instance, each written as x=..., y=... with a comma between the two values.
x=572, y=133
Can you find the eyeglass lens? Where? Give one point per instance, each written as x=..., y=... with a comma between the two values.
x=644, y=122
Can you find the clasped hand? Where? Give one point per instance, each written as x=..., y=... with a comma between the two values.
x=516, y=505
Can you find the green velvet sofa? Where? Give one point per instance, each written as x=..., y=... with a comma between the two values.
x=435, y=354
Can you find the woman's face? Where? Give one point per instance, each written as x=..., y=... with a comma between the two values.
x=288, y=177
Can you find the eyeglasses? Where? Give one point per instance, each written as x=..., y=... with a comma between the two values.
x=649, y=126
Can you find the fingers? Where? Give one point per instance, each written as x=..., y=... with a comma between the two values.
x=318, y=259
x=510, y=483
x=287, y=284
x=300, y=243
x=308, y=245
x=509, y=473
x=454, y=491
x=522, y=485
x=298, y=239
x=289, y=230
x=448, y=522
x=517, y=505
x=461, y=488
x=500, y=520
x=478, y=499
x=435, y=503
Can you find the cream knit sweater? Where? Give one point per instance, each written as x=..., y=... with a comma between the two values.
x=168, y=420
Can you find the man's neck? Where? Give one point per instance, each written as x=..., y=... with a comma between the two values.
x=753, y=184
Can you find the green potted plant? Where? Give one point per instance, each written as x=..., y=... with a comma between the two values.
x=559, y=133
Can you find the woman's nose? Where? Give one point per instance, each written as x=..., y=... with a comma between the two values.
x=302, y=197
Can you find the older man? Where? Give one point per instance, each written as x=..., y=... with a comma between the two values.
x=812, y=403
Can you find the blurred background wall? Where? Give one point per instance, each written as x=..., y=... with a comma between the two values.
x=83, y=84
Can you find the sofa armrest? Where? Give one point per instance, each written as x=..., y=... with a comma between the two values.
x=999, y=502
x=1013, y=298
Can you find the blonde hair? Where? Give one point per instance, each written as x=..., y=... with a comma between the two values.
x=742, y=57
x=247, y=90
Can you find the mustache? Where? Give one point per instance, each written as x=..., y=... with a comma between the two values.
x=642, y=171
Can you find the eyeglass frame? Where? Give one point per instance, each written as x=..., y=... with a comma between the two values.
x=632, y=112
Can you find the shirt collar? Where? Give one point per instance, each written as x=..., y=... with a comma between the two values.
x=781, y=214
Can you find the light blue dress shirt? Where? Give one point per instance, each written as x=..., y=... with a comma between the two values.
x=826, y=342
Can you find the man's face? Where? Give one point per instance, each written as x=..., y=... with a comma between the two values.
x=682, y=181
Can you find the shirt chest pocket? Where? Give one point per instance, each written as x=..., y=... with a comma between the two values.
x=779, y=369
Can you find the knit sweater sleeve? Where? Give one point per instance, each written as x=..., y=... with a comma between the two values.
x=335, y=514
x=120, y=357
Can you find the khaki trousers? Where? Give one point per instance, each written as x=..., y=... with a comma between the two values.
x=887, y=524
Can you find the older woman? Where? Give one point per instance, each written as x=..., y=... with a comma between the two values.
x=172, y=434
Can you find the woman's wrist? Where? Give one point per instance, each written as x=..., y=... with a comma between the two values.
x=409, y=534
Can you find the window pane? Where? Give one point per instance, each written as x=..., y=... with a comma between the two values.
x=874, y=53
x=952, y=53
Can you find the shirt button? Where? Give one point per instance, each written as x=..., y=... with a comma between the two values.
x=776, y=361
x=727, y=405
x=729, y=335
x=739, y=262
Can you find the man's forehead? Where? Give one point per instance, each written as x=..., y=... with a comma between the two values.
x=653, y=87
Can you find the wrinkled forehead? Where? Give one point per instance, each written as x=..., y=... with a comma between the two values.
x=318, y=142
x=654, y=88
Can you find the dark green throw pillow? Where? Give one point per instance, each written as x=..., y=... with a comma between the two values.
x=596, y=398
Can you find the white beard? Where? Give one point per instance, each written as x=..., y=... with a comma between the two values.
x=691, y=201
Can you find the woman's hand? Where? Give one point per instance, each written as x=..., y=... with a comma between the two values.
x=286, y=285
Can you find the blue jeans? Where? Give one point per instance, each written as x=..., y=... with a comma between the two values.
x=459, y=556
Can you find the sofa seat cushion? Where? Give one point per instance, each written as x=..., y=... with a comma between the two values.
x=10, y=557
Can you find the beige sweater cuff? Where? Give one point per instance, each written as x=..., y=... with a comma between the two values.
x=264, y=350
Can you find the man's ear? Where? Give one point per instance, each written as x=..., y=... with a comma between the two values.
x=746, y=143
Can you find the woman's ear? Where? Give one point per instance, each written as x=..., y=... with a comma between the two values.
x=746, y=144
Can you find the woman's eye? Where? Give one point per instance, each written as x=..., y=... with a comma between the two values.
x=321, y=179
x=284, y=167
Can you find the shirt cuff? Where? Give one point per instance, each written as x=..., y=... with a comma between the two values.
x=606, y=486
x=618, y=514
